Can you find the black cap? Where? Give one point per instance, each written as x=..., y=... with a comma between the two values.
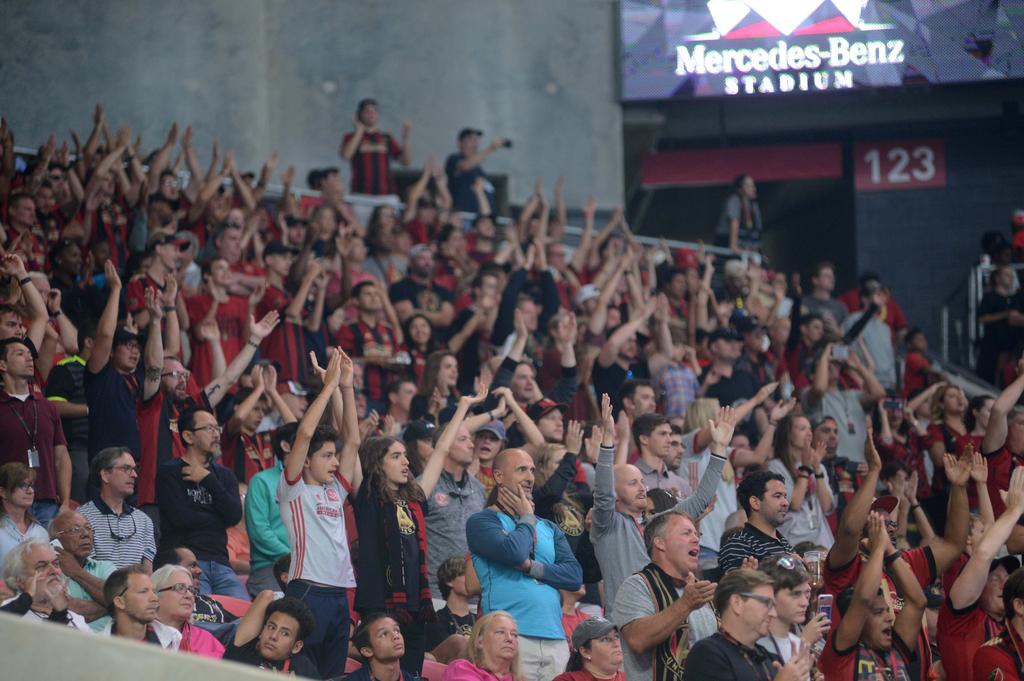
x=161, y=238
x=419, y=430
x=745, y=325
x=278, y=248
x=466, y=132
x=724, y=334
x=1009, y=563
x=123, y=335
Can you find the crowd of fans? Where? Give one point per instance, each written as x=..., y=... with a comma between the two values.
x=425, y=441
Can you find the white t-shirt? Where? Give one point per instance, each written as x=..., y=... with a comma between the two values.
x=315, y=519
x=784, y=647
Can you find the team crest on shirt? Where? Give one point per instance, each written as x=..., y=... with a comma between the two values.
x=571, y=525
x=405, y=524
x=441, y=499
x=331, y=495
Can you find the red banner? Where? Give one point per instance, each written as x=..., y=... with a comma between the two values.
x=694, y=167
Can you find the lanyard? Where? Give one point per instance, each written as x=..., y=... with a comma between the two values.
x=35, y=425
x=760, y=666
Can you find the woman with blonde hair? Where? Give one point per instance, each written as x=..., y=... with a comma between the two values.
x=493, y=651
x=17, y=493
x=947, y=434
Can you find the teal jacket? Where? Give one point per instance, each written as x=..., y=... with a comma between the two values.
x=268, y=540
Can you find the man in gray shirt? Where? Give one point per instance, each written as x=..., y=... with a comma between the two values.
x=849, y=408
x=820, y=300
x=663, y=609
x=620, y=503
x=875, y=333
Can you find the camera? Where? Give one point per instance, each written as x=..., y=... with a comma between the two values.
x=507, y=144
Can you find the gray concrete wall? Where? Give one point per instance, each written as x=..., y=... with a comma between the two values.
x=268, y=74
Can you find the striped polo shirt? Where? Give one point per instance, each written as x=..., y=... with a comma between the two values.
x=750, y=542
x=124, y=539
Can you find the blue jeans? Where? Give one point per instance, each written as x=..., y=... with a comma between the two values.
x=45, y=511
x=220, y=579
x=327, y=646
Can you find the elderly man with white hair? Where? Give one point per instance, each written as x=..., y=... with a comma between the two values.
x=32, y=569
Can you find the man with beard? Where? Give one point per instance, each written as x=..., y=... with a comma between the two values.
x=83, y=573
x=418, y=294
x=32, y=569
x=522, y=562
x=620, y=502
x=133, y=606
x=199, y=500
x=973, y=610
x=663, y=609
x=762, y=495
x=159, y=413
x=455, y=497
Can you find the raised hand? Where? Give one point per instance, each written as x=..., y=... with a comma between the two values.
x=391, y=427
x=471, y=400
x=593, y=444
x=574, y=437
x=153, y=306
x=816, y=629
x=170, y=293
x=1014, y=496
x=871, y=455
x=910, y=493
x=607, y=422
x=257, y=295
x=208, y=331
x=565, y=330
x=348, y=370
x=878, y=536
x=436, y=402
x=781, y=410
x=722, y=429
x=979, y=468
x=368, y=426
x=262, y=329
x=13, y=266
x=958, y=471
x=333, y=373
x=270, y=378
x=257, y=378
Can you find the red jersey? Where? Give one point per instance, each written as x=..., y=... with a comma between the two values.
x=922, y=564
x=960, y=633
x=109, y=223
x=916, y=376
x=232, y=318
x=159, y=437
x=359, y=340
x=1001, y=464
x=31, y=246
x=135, y=292
x=371, y=166
x=861, y=663
x=999, y=659
x=286, y=343
x=954, y=444
x=247, y=455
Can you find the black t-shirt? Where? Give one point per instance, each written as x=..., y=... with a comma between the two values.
x=422, y=298
x=300, y=665
x=460, y=184
x=999, y=335
x=609, y=379
x=730, y=390
x=112, y=398
x=67, y=383
x=446, y=625
x=718, y=659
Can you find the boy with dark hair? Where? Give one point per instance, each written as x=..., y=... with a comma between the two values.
x=454, y=619
x=786, y=631
x=311, y=495
x=652, y=434
x=272, y=634
x=378, y=638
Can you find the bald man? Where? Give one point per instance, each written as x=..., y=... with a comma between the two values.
x=83, y=574
x=522, y=561
x=620, y=504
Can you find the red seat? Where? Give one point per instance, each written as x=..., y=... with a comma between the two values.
x=433, y=671
x=236, y=606
x=352, y=665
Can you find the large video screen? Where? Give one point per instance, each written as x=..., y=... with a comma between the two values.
x=716, y=48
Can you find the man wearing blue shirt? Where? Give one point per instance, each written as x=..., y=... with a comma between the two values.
x=522, y=561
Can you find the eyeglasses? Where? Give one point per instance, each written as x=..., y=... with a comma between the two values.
x=117, y=536
x=25, y=486
x=213, y=428
x=176, y=374
x=77, y=530
x=125, y=468
x=181, y=589
x=766, y=601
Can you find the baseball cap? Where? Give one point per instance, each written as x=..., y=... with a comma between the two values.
x=539, y=410
x=588, y=292
x=466, y=132
x=1010, y=563
x=686, y=258
x=496, y=427
x=887, y=503
x=746, y=325
x=419, y=430
x=278, y=248
x=292, y=387
x=419, y=248
x=589, y=629
x=161, y=238
x=724, y=334
x=123, y=335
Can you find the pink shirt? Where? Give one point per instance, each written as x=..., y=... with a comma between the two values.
x=464, y=670
x=200, y=642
